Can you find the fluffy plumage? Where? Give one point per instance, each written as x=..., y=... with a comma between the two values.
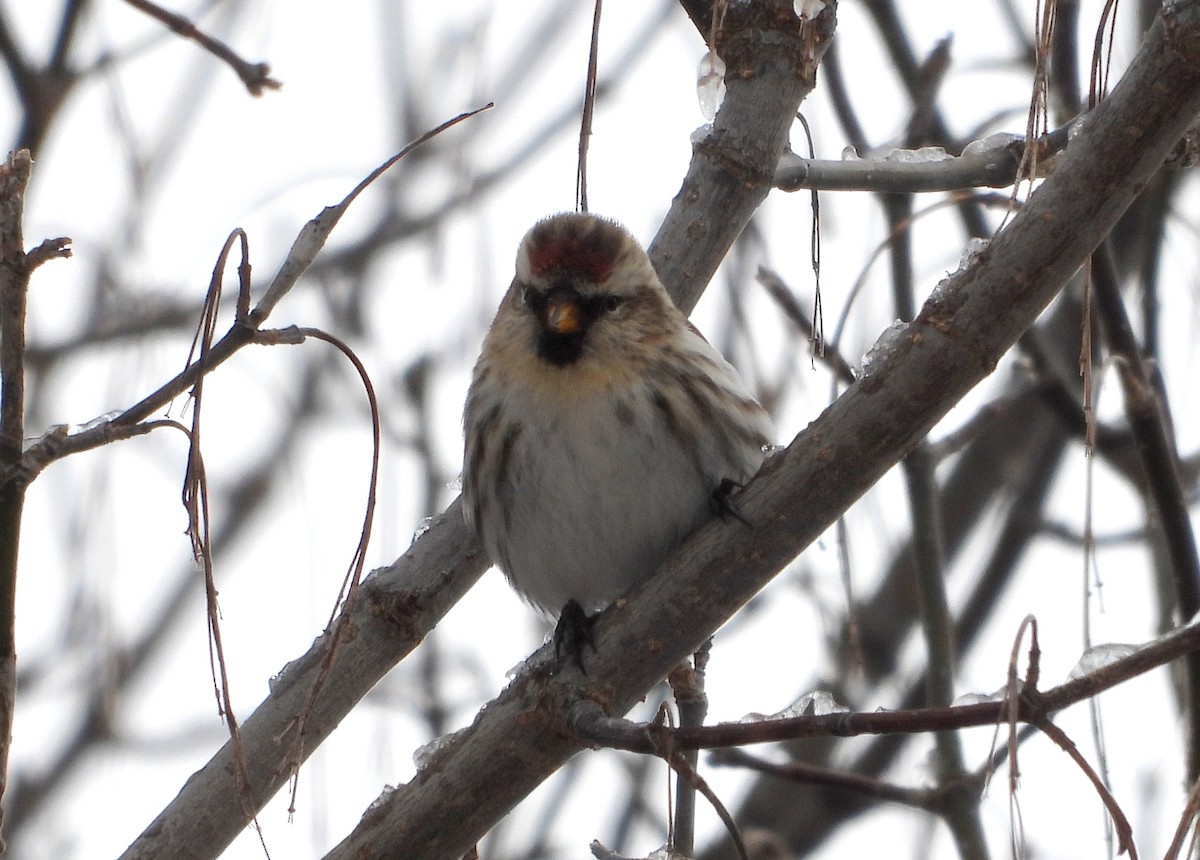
x=599, y=422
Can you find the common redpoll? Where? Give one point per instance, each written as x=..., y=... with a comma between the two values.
x=600, y=425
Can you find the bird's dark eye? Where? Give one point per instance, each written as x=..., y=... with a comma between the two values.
x=611, y=303
x=531, y=297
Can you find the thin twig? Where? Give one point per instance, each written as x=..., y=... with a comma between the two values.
x=1191, y=813
x=589, y=110
x=1148, y=420
x=14, y=289
x=809, y=774
x=338, y=626
x=195, y=497
x=687, y=685
x=588, y=720
x=786, y=300
x=682, y=766
x=312, y=236
x=255, y=76
x=309, y=242
x=1120, y=822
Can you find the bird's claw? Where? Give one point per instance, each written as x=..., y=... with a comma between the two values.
x=723, y=504
x=573, y=632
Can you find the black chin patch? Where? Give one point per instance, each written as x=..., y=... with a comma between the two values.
x=560, y=349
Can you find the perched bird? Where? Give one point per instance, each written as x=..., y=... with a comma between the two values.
x=601, y=427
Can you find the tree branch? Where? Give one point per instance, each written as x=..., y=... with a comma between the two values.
x=597, y=729
x=771, y=65
x=14, y=289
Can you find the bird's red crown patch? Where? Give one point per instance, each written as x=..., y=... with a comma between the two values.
x=579, y=245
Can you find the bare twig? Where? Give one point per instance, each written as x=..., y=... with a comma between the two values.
x=255, y=76
x=15, y=269
x=594, y=727
x=305, y=248
x=733, y=167
x=1148, y=420
x=687, y=684
x=795, y=771
x=195, y=499
x=1191, y=814
x=686, y=771
x=589, y=110
x=994, y=164
x=338, y=627
x=1120, y=822
x=313, y=235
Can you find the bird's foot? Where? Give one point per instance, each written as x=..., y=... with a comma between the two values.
x=573, y=632
x=723, y=504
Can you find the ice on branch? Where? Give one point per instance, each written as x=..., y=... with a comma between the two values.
x=1076, y=127
x=701, y=134
x=710, y=84
x=424, y=753
x=991, y=144
x=384, y=795
x=1099, y=656
x=665, y=853
x=976, y=699
x=422, y=527
x=806, y=10
x=924, y=155
x=971, y=252
x=60, y=431
x=851, y=154
x=72, y=429
x=818, y=703
x=887, y=343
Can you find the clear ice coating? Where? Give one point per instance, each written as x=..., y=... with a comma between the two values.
x=924, y=155
x=382, y=799
x=976, y=698
x=821, y=703
x=422, y=527
x=818, y=703
x=806, y=10
x=61, y=430
x=850, y=154
x=884, y=346
x=991, y=144
x=424, y=753
x=710, y=84
x=72, y=429
x=701, y=133
x=1099, y=656
x=1076, y=127
x=973, y=249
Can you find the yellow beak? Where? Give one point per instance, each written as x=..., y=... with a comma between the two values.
x=563, y=315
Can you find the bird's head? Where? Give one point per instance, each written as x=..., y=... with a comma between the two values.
x=588, y=288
